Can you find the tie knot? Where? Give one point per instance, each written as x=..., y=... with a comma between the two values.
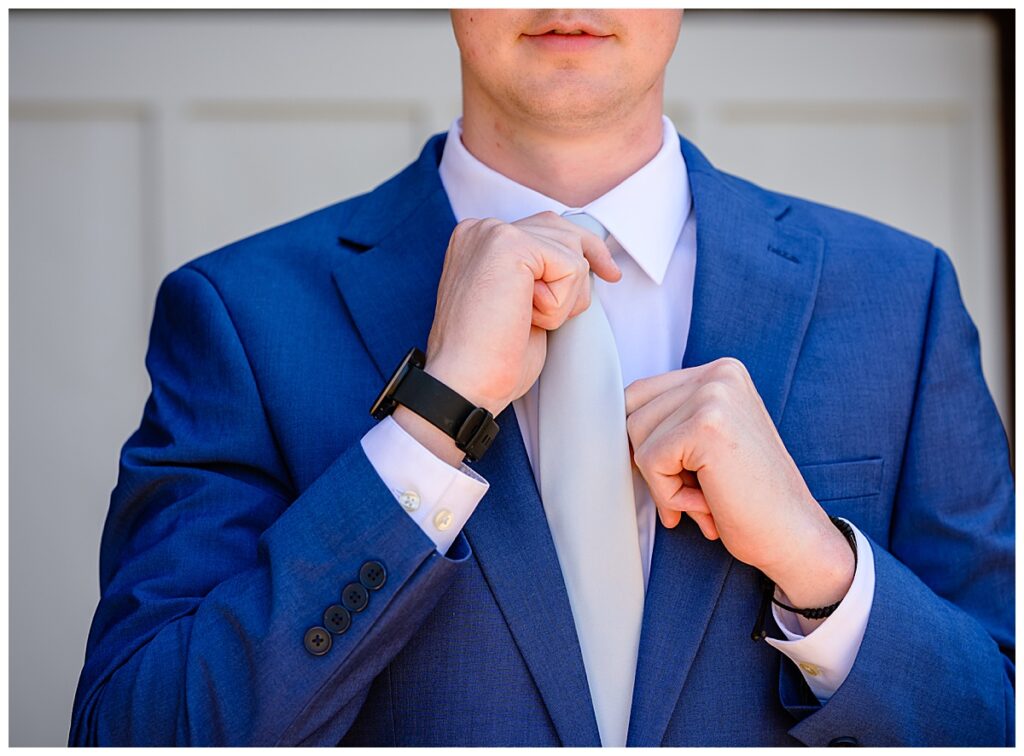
x=589, y=222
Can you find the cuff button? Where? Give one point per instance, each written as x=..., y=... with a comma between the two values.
x=373, y=575
x=443, y=520
x=317, y=641
x=410, y=501
x=337, y=619
x=354, y=597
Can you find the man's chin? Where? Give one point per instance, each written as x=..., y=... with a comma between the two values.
x=570, y=112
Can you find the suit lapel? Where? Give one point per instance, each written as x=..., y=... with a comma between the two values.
x=756, y=281
x=754, y=292
x=509, y=534
x=390, y=263
x=387, y=274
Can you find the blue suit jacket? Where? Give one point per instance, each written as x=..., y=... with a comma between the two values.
x=245, y=504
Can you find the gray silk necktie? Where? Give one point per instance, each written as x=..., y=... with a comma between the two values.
x=586, y=486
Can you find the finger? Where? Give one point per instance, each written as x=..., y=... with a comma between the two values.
x=660, y=459
x=600, y=258
x=543, y=218
x=695, y=506
x=669, y=517
x=688, y=499
x=556, y=302
x=564, y=234
x=667, y=488
x=643, y=390
x=582, y=298
x=558, y=299
x=560, y=263
x=550, y=254
x=593, y=248
x=641, y=421
x=559, y=279
x=706, y=523
x=546, y=306
x=725, y=370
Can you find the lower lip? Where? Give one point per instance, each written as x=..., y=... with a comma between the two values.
x=566, y=42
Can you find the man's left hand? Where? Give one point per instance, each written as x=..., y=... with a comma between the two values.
x=706, y=445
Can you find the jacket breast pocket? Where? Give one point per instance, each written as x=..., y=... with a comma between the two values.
x=849, y=489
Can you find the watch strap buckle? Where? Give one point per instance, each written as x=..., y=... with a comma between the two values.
x=476, y=433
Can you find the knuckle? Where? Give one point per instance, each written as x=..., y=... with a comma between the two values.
x=638, y=386
x=709, y=419
x=467, y=225
x=633, y=425
x=715, y=391
x=498, y=231
x=729, y=368
x=642, y=456
x=459, y=233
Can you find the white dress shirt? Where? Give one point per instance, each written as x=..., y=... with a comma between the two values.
x=652, y=237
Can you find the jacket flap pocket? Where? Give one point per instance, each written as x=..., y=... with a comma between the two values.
x=829, y=481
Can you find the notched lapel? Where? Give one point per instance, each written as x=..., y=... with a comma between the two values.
x=754, y=290
x=390, y=289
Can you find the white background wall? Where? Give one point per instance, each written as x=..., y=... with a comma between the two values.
x=140, y=140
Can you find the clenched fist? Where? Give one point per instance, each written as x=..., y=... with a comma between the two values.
x=503, y=286
x=706, y=445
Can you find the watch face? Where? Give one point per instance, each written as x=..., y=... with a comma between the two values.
x=385, y=403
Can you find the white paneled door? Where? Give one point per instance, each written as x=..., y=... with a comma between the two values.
x=139, y=140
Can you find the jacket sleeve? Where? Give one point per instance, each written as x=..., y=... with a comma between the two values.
x=212, y=569
x=936, y=663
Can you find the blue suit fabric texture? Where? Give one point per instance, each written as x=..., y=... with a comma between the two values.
x=245, y=504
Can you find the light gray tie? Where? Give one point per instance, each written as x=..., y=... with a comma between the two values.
x=586, y=486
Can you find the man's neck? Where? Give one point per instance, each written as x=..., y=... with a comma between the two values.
x=574, y=167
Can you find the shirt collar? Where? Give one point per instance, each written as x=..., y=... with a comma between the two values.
x=645, y=213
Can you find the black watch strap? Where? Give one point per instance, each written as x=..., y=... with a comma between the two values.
x=472, y=428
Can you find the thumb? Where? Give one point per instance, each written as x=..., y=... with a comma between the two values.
x=600, y=257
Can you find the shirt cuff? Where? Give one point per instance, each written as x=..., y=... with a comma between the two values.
x=437, y=496
x=825, y=656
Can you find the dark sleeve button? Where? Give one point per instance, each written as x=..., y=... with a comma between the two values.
x=844, y=741
x=354, y=597
x=373, y=576
x=337, y=619
x=317, y=641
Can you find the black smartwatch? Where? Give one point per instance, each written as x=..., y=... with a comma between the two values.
x=471, y=427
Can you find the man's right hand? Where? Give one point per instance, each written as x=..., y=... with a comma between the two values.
x=503, y=286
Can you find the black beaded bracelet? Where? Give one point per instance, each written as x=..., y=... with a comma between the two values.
x=820, y=612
